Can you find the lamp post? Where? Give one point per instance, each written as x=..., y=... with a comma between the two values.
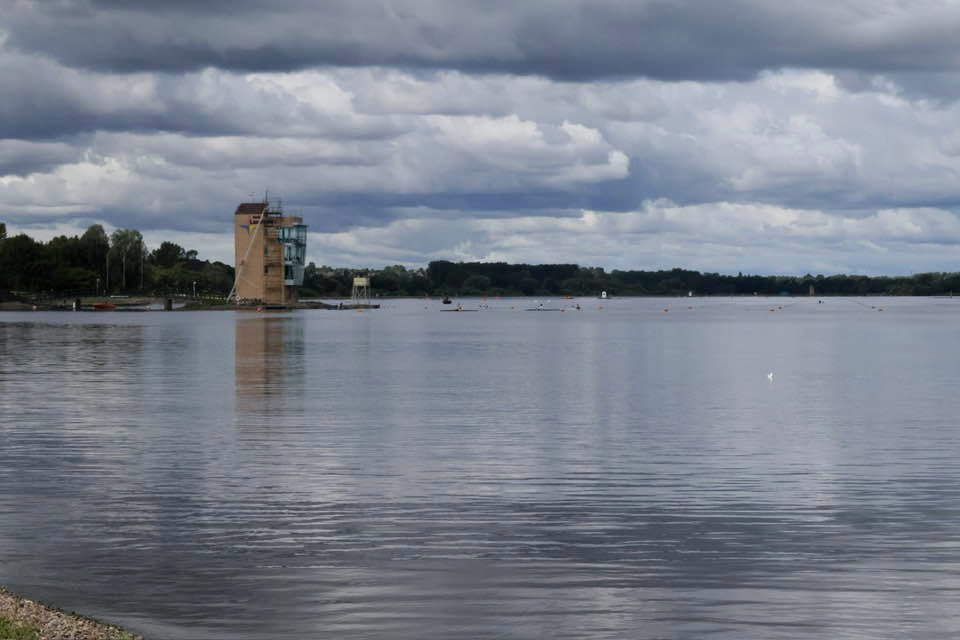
x=194, y=288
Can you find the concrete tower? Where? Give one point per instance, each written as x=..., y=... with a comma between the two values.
x=270, y=250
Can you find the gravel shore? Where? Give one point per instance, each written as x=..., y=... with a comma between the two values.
x=32, y=620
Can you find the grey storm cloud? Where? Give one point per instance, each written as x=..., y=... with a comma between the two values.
x=726, y=135
x=44, y=100
x=21, y=158
x=564, y=39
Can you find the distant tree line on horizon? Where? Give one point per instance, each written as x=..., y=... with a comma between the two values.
x=445, y=278
x=97, y=264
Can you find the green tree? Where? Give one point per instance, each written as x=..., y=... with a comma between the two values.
x=529, y=286
x=216, y=277
x=94, y=245
x=126, y=255
x=476, y=284
x=21, y=262
x=168, y=254
x=3, y=230
x=65, y=252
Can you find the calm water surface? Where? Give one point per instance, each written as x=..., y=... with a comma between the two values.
x=622, y=472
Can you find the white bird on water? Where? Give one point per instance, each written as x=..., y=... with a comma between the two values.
x=770, y=376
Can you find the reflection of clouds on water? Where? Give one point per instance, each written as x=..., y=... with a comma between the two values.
x=417, y=474
x=74, y=371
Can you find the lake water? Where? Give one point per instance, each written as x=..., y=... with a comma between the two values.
x=615, y=472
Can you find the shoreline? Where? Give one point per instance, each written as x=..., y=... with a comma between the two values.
x=346, y=305
x=28, y=619
x=140, y=308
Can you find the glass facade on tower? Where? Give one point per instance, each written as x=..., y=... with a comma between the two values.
x=294, y=241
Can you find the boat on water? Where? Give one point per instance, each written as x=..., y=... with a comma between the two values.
x=104, y=306
x=447, y=300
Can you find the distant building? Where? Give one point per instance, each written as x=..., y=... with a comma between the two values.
x=271, y=251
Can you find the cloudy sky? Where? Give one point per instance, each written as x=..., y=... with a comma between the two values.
x=728, y=135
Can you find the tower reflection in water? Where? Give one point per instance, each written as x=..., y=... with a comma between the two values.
x=269, y=367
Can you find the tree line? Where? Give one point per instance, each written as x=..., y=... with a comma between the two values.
x=120, y=263
x=445, y=278
x=97, y=264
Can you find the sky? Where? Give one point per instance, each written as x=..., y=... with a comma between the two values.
x=723, y=136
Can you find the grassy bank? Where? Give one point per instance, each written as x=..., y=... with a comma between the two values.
x=22, y=619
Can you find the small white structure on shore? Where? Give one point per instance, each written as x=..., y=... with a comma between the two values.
x=361, y=290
